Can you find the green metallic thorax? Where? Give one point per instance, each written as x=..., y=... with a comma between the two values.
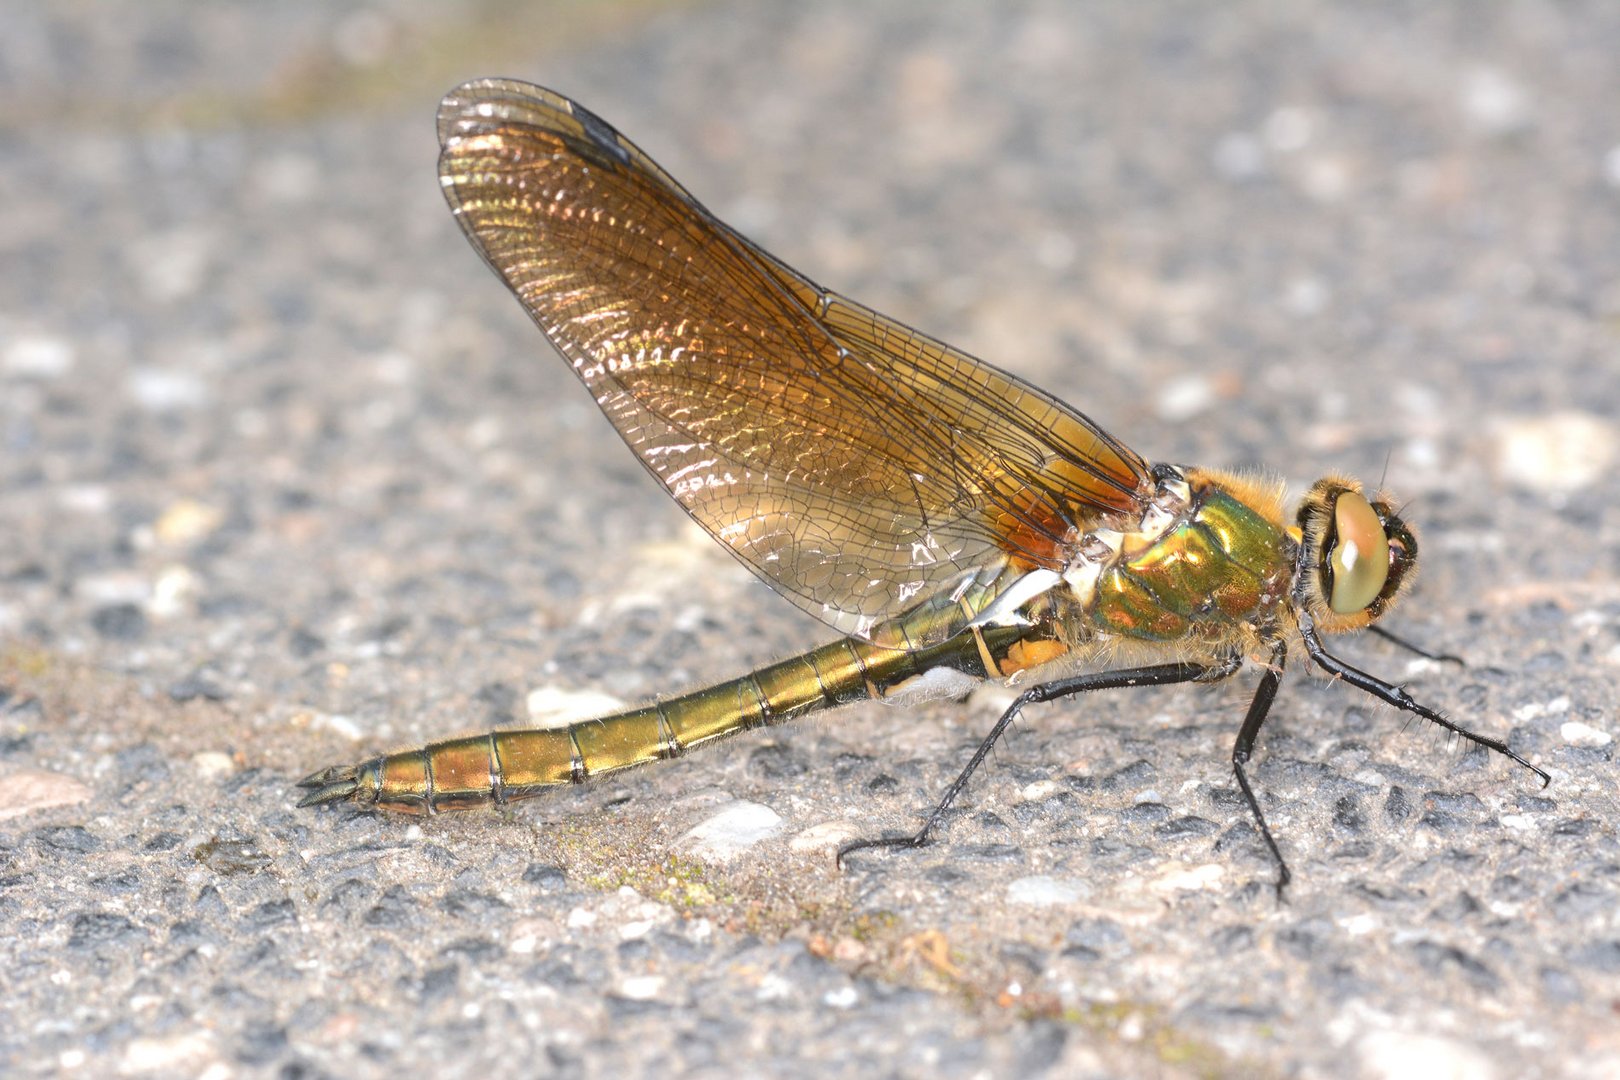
x=1219, y=564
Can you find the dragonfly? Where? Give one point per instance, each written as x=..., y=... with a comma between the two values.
x=953, y=522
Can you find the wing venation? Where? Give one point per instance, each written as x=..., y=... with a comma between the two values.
x=855, y=464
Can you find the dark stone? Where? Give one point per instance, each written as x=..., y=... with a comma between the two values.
x=1585, y=898
x=303, y=644
x=1347, y=814
x=1098, y=936
x=475, y=950
x=260, y=1043
x=775, y=762
x=545, y=877
x=231, y=857
x=1040, y=1048
x=1459, y=908
x=95, y=929
x=1601, y=956
x=1147, y=813
x=75, y=839
x=501, y=701
x=1579, y=828
x=1187, y=827
x=882, y=784
x=194, y=686
x=119, y=622
x=990, y=853
x=268, y=915
x=1137, y=774
x=1440, y=959
x=394, y=911
x=472, y=905
x=1560, y=985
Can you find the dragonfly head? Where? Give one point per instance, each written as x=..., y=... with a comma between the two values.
x=1355, y=555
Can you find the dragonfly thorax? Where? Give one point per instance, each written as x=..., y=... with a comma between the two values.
x=1100, y=549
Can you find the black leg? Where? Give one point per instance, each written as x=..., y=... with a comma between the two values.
x=1397, y=640
x=1264, y=694
x=1398, y=697
x=1159, y=675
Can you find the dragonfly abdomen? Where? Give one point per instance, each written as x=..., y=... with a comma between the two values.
x=506, y=766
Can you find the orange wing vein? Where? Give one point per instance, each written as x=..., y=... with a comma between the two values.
x=854, y=464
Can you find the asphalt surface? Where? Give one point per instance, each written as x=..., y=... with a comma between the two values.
x=287, y=478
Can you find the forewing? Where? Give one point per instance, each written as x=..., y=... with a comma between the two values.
x=855, y=465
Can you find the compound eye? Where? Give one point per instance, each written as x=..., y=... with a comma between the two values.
x=1358, y=564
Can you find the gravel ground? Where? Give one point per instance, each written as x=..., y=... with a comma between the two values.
x=287, y=478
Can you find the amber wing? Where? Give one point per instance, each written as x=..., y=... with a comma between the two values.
x=854, y=464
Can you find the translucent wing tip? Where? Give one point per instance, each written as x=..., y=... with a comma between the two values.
x=482, y=104
x=479, y=102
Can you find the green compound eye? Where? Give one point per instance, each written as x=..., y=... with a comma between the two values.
x=1359, y=561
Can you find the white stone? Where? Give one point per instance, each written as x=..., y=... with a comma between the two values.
x=27, y=790
x=1184, y=397
x=642, y=987
x=1178, y=878
x=173, y=1055
x=554, y=706
x=826, y=835
x=846, y=997
x=1396, y=1055
x=1575, y=733
x=212, y=765
x=1039, y=890
x=731, y=832
x=38, y=356
x=1558, y=453
x=160, y=390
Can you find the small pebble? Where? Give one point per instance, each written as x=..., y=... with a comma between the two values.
x=1397, y=1055
x=825, y=836
x=1038, y=890
x=731, y=832
x=553, y=706
x=1184, y=397
x=1559, y=453
x=37, y=356
x=172, y=592
x=1611, y=167
x=187, y=521
x=1575, y=733
x=1495, y=104
x=336, y=723
x=1177, y=878
x=846, y=997
x=213, y=765
x=642, y=987
x=1534, y=709
x=36, y=789
x=1040, y=790
x=174, y=1055
x=1239, y=155
x=162, y=391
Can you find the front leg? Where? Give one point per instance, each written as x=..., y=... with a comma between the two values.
x=1397, y=696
